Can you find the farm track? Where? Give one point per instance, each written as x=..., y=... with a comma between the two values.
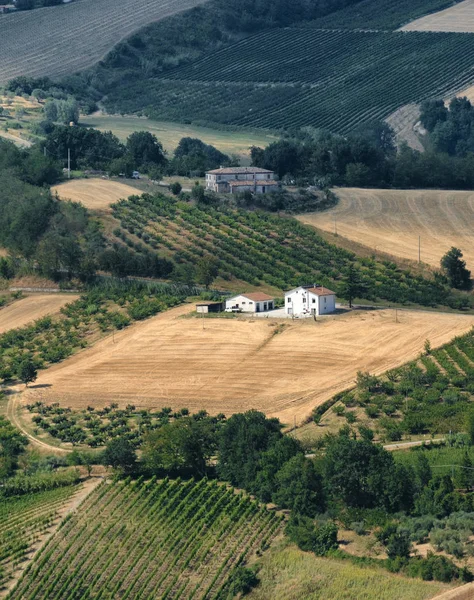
x=25, y=311
x=391, y=221
x=83, y=33
x=229, y=366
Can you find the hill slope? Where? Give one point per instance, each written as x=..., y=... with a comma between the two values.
x=458, y=18
x=391, y=221
x=83, y=33
x=29, y=309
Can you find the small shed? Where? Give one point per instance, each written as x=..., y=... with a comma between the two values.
x=209, y=307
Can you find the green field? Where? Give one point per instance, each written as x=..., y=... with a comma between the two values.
x=169, y=134
x=381, y=14
x=294, y=77
x=165, y=539
x=288, y=573
x=23, y=520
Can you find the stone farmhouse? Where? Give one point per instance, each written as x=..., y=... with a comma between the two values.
x=250, y=303
x=310, y=300
x=232, y=180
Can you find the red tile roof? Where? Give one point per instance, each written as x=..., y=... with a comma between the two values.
x=258, y=297
x=238, y=170
x=321, y=291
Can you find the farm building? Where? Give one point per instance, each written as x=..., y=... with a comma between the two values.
x=252, y=303
x=6, y=8
x=209, y=307
x=231, y=180
x=314, y=300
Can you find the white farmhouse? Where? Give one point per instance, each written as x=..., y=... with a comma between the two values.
x=253, y=303
x=240, y=179
x=310, y=300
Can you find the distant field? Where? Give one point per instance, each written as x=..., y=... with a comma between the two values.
x=458, y=18
x=95, y=194
x=283, y=368
x=83, y=33
x=391, y=221
x=27, y=310
x=334, y=79
x=166, y=539
x=289, y=573
x=169, y=134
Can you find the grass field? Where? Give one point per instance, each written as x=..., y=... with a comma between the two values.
x=334, y=79
x=391, y=221
x=458, y=18
x=290, y=574
x=169, y=539
x=83, y=32
x=231, y=365
x=25, y=311
x=169, y=134
x=94, y=194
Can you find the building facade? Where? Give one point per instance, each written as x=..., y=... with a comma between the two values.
x=251, y=303
x=310, y=300
x=232, y=180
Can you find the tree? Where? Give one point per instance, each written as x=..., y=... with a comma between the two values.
x=145, y=149
x=120, y=454
x=455, y=269
x=432, y=113
x=466, y=473
x=470, y=427
x=198, y=193
x=352, y=286
x=27, y=372
x=207, y=271
x=299, y=487
x=176, y=188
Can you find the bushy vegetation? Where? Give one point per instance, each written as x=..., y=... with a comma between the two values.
x=259, y=247
x=176, y=538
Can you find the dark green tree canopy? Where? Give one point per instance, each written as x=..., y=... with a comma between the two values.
x=145, y=149
x=455, y=268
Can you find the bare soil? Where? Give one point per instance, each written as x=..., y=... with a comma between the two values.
x=27, y=310
x=458, y=18
x=282, y=368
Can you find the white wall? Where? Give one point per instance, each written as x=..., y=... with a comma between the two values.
x=247, y=305
x=301, y=301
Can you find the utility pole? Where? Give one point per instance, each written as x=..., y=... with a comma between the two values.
x=419, y=248
x=69, y=163
x=335, y=225
x=44, y=150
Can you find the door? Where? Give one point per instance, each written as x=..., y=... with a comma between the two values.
x=265, y=307
x=257, y=307
x=290, y=310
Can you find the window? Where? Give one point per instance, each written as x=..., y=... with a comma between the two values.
x=268, y=176
x=244, y=302
x=314, y=300
x=304, y=298
x=324, y=299
x=288, y=300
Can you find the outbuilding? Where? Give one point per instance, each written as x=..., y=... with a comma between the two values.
x=310, y=300
x=209, y=307
x=251, y=303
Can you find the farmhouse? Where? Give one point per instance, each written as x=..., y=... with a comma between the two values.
x=310, y=300
x=252, y=303
x=241, y=179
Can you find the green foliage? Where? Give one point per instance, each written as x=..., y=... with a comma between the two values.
x=310, y=536
x=30, y=484
x=455, y=269
x=120, y=454
x=27, y=372
x=299, y=487
x=12, y=445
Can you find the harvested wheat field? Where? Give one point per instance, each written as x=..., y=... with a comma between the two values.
x=27, y=310
x=391, y=221
x=95, y=194
x=283, y=368
x=458, y=18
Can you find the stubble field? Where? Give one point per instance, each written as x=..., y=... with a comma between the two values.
x=391, y=221
x=94, y=194
x=27, y=310
x=458, y=19
x=281, y=367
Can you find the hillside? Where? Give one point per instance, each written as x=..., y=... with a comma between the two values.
x=280, y=367
x=391, y=221
x=83, y=32
x=94, y=194
x=151, y=540
x=459, y=18
x=25, y=311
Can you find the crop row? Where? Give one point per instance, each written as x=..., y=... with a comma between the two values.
x=150, y=539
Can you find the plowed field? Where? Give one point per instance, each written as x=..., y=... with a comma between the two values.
x=458, y=18
x=27, y=310
x=391, y=221
x=95, y=194
x=232, y=365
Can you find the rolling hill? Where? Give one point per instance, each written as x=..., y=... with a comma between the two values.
x=27, y=310
x=459, y=17
x=83, y=33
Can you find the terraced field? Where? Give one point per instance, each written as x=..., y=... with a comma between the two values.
x=23, y=523
x=95, y=194
x=25, y=311
x=334, y=79
x=83, y=32
x=391, y=221
x=283, y=368
x=169, y=539
x=458, y=18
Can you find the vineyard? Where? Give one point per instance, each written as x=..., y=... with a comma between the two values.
x=258, y=247
x=167, y=539
x=83, y=33
x=294, y=77
x=23, y=520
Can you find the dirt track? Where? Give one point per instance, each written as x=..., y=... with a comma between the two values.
x=390, y=221
x=234, y=365
x=458, y=18
x=95, y=194
x=27, y=310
